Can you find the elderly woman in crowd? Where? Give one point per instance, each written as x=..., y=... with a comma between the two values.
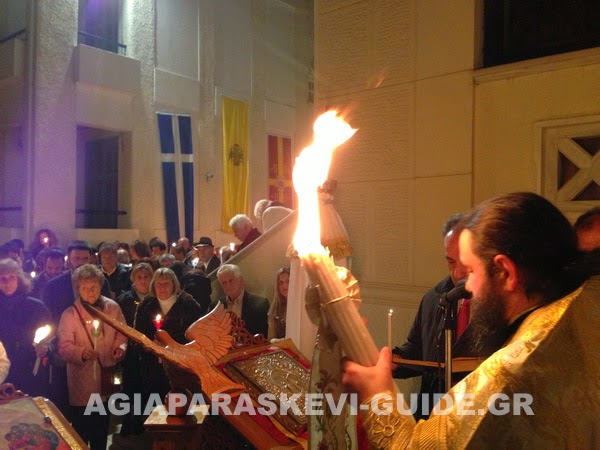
x=171, y=309
x=20, y=317
x=89, y=347
x=278, y=308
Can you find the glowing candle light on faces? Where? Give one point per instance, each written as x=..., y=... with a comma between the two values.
x=40, y=334
x=158, y=322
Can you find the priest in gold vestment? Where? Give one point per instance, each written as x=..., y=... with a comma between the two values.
x=534, y=292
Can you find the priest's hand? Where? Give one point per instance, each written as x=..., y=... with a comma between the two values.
x=368, y=381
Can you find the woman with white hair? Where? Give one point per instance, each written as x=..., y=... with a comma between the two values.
x=89, y=347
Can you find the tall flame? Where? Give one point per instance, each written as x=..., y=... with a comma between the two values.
x=41, y=333
x=310, y=172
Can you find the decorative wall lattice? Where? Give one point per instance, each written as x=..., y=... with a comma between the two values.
x=570, y=162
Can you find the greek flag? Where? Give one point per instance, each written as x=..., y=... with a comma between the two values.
x=177, y=158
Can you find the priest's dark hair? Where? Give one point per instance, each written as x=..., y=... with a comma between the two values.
x=534, y=234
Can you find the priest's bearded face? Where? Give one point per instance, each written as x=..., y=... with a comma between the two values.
x=488, y=324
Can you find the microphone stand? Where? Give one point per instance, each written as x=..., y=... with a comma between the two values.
x=449, y=305
x=449, y=308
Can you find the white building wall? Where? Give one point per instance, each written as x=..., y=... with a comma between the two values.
x=400, y=71
x=181, y=56
x=435, y=135
x=510, y=102
x=52, y=177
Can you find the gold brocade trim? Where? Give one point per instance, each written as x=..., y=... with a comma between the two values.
x=57, y=424
x=382, y=426
x=386, y=429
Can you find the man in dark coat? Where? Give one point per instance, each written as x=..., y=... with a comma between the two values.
x=425, y=341
x=54, y=261
x=116, y=274
x=251, y=308
x=205, y=251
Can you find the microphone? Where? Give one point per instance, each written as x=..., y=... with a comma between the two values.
x=455, y=294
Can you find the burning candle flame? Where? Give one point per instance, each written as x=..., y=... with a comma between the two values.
x=310, y=172
x=41, y=333
x=158, y=322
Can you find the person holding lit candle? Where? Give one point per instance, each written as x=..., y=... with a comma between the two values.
x=20, y=317
x=88, y=350
x=204, y=250
x=177, y=310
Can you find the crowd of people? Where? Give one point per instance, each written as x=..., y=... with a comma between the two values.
x=532, y=319
x=141, y=284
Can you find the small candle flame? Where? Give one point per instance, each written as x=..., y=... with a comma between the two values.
x=310, y=172
x=46, y=240
x=195, y=262
x=174, y=244
x=33, y=274
x=232, y=246
x=158, y=321
x=41, y=333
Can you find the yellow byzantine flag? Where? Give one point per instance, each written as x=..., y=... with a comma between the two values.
x=235, y=160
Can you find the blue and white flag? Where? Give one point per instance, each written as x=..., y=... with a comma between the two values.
x=177, y=159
